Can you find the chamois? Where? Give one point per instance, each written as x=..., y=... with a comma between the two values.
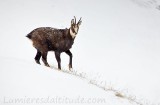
x=52, y=39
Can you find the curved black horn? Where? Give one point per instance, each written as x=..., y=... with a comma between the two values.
x=75, y=19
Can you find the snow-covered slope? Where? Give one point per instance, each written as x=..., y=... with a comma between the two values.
x=150, y=4
x=117, y=47
x=25, y=83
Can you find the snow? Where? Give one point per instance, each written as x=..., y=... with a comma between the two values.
x=34, y=84
x=117, y=50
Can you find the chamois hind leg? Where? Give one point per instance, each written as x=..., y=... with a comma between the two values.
x=68, y=52
x=57, y=55
x=37, y=57
x=44, y=58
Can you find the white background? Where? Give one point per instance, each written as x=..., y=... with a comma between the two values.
x=119, y=40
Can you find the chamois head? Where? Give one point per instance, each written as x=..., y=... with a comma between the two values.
x=74, y=27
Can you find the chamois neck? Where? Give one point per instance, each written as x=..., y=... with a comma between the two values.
x=73, y=35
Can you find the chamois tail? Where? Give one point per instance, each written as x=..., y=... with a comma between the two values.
x=29, y=36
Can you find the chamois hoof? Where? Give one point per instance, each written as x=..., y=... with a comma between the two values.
x=47, y=65
x=70, y=67
x=37, y=62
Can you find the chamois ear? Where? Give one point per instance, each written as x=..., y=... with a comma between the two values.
x=72, y=21
x=79, y=22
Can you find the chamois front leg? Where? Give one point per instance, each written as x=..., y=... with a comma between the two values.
x=37, y=57
x=44, y=59
x=57, y=55
x=68, y=52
